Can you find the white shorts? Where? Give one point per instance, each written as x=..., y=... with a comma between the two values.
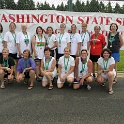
x=53, y=75
x=106, y=75
x=69, y=76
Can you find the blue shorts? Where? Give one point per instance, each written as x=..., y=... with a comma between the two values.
x=116, y=56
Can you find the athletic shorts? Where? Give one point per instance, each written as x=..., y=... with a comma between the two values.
x=94, y=58
x=59, y=55
x=74, y=56
x=116, y=56
x=14, y=56
x=26, y=74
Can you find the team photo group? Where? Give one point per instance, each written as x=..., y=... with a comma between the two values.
x=72, y=58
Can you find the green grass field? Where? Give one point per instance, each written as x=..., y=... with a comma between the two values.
x=121, y=63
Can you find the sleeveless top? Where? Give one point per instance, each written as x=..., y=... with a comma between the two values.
x=80, y=64
x=115, y=44
x=50, y=63
x=39, y=47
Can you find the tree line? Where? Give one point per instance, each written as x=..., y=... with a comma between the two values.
x=78, y=6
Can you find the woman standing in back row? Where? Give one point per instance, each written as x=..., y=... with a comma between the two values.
x=1, y=39
x=115, y=42
x=96, y=44
x=63, y=39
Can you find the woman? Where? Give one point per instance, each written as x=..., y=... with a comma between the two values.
x=66, y=65
x=63, y=39
x=51, y=41
x=106, y=69
x=10, y=40
x=26, y=69
x=75, y=39
x=48, y=68
x=6, y=67
x=1, y=39
x=85, y=36
x=38, y=46
x=115, y=42
x=96, y=45
x=83, y=70
x=23, y=40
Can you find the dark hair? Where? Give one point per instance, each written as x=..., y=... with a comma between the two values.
x=73, y=25
x=106, y=50
x=47, y=49
x=113, y=24
x=84, y=50
x=29, y=54
x=1, y=28
x=40, y=28
x=51, y=28
x=12, y=23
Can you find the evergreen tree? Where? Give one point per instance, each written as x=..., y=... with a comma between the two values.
x=94, y=6
x=2, y=4
x=10, y=4
x=83, y=7
x=101, y=7
x=109, y=8
x=53, y=7
x=117, y=8
x=25, y=5
x=88, y=9
x=62, y=8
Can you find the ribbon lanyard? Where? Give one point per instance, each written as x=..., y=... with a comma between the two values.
x=5, y=63
x=25, y=63
x=83, y=36
x=26, y=38
x=105, y=64
x=112, y=38
x=66, y=64
x=1, y=37
x=83, y=66
x=47, y=64
x=14, y=36
x=60, y=38
x=71, y=36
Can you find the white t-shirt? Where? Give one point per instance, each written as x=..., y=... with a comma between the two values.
x=51, y=40
x=85, y=37
x=1, y=42
x=62, y=39
x=40, y=48
x=11, y=42
x=70, y=62
x=21, y=40
x=75, y=39
x=103, y=63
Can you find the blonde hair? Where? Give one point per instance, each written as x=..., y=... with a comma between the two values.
x=5, y=49
x=62, y=25
x=84, y=24
x=24, y=24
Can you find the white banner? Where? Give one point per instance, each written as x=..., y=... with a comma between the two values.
x=45, y=18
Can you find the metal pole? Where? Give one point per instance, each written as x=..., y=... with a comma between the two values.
x=70, y=5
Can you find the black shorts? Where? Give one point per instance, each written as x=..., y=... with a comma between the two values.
x=74, y=56
x=94, y=58
x=0, y=54
x=14, y=56
x=59, y=55
x=6, y=74
x=26, y=74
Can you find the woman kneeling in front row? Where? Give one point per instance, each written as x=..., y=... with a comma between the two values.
x=48, y=68
x=83, y=70
x=66, y=65
x=106, y=70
